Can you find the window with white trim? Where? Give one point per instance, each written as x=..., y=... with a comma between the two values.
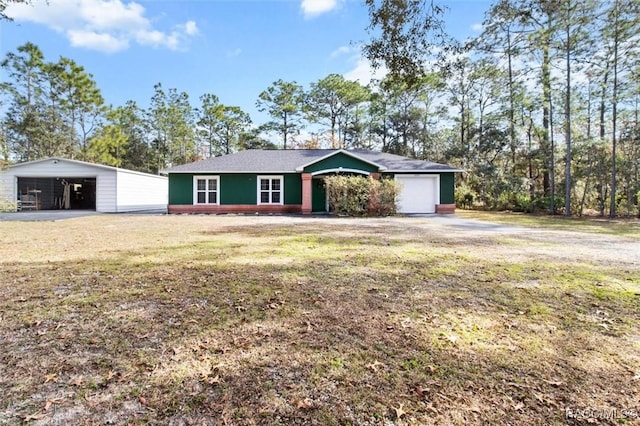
x=270, y=190
x=206, y=189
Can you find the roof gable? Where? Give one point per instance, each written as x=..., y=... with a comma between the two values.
x=337, y=160
x=56, y=160
x=79, y=165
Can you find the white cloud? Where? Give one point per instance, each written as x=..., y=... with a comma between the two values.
x=190, y=28
x=364, y=73
x=477, y=27
x=342, y=50
x=96, y=41
x=313, y=8
x=104, y=25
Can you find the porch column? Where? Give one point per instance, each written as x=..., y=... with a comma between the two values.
x=306, y=193
x=376, y=176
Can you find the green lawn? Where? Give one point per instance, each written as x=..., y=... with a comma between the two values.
x=116, y=319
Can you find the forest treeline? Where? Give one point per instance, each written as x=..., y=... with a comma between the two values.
x=541, y=110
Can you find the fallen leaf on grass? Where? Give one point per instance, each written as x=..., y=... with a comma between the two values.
x=375, y=366
x=50, y=402
x=36, y=416
x=53, y=377
x=422, y=392
x=303, y=404
x=213, y=380
x=77, y=381
x=399, y=411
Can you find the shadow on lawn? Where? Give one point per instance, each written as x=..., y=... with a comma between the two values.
x=344, y=331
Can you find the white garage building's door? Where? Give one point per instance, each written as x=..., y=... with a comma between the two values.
x=419, y=194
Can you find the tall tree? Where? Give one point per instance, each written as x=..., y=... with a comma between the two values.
x=209, y=115
x=503, y=35
x=171, y=122
x=620, y=38
x=81, y=99
x=405, y=35
x=130, y=119
x=331, y=101
x=233, y=124
x=283, y=101
x=541, y=18
x=121, y=140
x=404, y=115
x=108, y=146
x=24, y=124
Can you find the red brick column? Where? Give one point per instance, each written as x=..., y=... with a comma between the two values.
x=445, y=208
x=306, y=193
x=376, y=176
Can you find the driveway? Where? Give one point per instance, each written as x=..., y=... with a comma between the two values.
x=53, y=215
x=449, y=219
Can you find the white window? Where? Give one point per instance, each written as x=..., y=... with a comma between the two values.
x=206, y=189
x=270, y=190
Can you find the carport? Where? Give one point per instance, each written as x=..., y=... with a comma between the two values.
x=64, y=184
x=53, y=193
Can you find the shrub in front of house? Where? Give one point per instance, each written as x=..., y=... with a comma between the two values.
x=7, y=206
x=362, y=196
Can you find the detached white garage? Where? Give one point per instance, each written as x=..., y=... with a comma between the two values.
x=59, y=183
x=420, y=193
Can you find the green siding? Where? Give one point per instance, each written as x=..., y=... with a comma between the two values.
x=238, y=189
x=234, y=188
x=180, y=189
x=340, y=160
x=293, y=189
x=446, y=188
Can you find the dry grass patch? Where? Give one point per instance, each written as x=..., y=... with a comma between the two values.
x=623, y=226
x=262, y=320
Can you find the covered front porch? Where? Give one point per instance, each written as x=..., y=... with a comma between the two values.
x=314, y=194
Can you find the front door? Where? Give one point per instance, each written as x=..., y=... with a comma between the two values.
x=318, y=195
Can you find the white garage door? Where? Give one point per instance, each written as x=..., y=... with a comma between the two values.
x=419, y=194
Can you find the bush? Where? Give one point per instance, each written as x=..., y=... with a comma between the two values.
x=465, y=197
x=383, y=197
x=360, y=196
x=7, y=206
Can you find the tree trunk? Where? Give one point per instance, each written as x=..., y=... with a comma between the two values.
x=567, y=170
x=614, y=118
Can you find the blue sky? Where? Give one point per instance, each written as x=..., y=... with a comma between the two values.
x=234, y=49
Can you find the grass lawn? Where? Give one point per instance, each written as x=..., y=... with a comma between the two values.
x=115, y=319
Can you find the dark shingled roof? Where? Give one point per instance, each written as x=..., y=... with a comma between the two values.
x=287, y=161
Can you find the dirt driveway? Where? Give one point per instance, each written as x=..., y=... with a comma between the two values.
x=568, y=245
